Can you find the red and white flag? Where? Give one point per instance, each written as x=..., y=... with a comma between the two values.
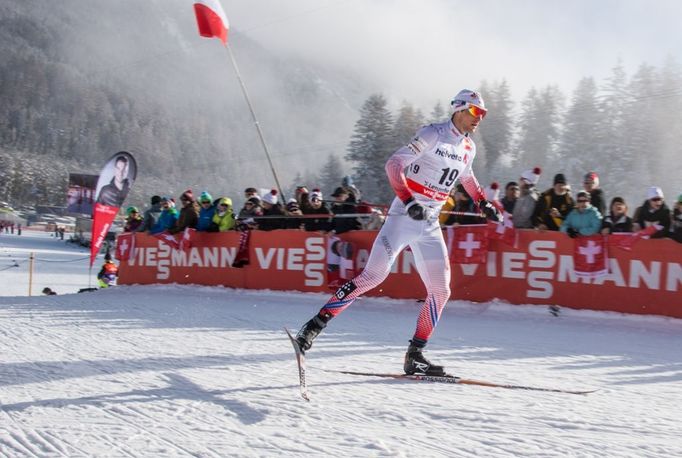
x=186, y=240
x=168, y=238
x=589, y=256
x=503, y=231
x=626, y=240
x=125, y=246
x=211, y=19
x=468, y=244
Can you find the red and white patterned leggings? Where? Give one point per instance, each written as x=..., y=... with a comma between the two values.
x=425, y=239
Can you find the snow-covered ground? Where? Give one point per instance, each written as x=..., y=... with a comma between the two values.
x=161, y=371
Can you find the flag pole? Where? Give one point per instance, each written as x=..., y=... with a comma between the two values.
x=255, y=120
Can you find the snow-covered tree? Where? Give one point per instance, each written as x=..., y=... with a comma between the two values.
x=578, y=145
x=370, y=145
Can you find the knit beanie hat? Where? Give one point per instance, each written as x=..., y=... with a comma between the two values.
x=593, y=177
x=559, y=178
x=205, y=197
x=492, y=192
x=271, y=197
x=316, y=195
x=532, y=176
x=654, y=192
x=617, y=200
x=255, y=200
x=292, y=205
x=187, y=195
x=583, y=195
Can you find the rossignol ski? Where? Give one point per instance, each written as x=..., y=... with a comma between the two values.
x=460, y=381
x=300, y=360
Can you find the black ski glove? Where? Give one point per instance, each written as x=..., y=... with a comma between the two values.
x=572, y=233
x=491, y=212
x=415, y=210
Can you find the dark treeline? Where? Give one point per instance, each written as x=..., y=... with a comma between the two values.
x=80, y=81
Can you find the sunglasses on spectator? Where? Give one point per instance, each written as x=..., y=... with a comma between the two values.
x=656, y=199
x=205, y=201
x=583, y=200
x=476, y=111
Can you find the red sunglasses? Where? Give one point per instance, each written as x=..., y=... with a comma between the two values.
x=477, y=112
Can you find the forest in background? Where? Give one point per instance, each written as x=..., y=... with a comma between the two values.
x=68, y=103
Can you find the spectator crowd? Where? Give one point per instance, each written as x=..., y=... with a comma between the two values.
x=555, y=209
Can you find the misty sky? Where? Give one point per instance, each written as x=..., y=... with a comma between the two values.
x=426, y=50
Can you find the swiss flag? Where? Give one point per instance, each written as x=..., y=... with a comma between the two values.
x=211, y=19
x=186, y=240
x=589, y=256
x=503, y=231
x=125, y=246
x=468, y=244
x=168, y=238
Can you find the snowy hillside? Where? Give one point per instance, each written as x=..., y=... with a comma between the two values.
x=195, y=371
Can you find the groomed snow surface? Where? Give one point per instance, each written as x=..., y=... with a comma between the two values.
x=166, y=371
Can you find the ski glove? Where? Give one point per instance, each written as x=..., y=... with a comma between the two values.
x=572, y=233
x=491, y=212
x=415, y=210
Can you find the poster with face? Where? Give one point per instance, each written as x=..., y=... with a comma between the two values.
x=80, y=196
x=115, y=180
x=114, y=183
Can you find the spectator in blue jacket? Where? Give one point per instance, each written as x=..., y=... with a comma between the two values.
x=584, y=219
x=168, y=217
x=206, y=211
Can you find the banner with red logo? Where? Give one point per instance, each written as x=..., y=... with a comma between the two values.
x=114, y=183
x=468, y=244
x=589, y=256
x=539, y=270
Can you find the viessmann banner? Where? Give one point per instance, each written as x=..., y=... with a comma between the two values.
x=540, y=269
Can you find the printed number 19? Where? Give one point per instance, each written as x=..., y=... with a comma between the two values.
x=449, y=176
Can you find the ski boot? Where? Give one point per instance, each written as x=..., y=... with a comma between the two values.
x=310, y=330
x=416, y=363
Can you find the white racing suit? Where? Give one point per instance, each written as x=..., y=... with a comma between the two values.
x=425, y=170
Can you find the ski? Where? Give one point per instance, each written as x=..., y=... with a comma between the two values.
x=300, y=360
x=460, y=381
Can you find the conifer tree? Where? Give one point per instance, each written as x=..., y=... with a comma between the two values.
x=497, y=129
x=581, y=130
x=539, y=128
x=369, y=148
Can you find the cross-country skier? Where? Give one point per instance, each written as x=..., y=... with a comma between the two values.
x=422, y=174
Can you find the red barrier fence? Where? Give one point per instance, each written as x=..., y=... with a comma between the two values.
x=645, y=280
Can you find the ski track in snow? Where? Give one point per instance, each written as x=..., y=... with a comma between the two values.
x=180, y=371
